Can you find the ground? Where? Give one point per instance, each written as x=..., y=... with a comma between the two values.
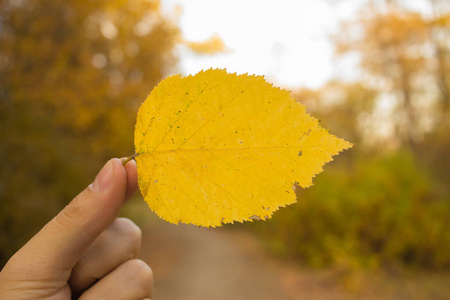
x=230, y=263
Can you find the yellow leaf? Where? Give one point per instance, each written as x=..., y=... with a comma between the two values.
x=211, y=46
x=215, y=148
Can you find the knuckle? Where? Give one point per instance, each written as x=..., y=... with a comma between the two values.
x=130, y=233
x=127, y=228
x=70, y=214
x=142, y=276
x=142, y=272
x=75, y=210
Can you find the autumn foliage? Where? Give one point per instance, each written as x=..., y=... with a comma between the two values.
x=72, y=76
x=74, y=73
x=385, y=203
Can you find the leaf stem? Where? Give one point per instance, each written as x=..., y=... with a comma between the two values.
x=124, y=161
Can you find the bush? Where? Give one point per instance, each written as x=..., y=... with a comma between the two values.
x=376, y=211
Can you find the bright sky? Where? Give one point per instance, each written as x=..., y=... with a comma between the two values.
x=285, y=40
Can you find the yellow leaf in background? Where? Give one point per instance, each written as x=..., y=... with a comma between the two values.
x=211, y=46
x=215, y=148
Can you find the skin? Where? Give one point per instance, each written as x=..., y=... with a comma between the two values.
x=85, y=252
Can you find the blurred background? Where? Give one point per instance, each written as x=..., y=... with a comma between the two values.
x=376, y=223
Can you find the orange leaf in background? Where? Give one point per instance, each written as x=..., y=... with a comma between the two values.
x=215, y=148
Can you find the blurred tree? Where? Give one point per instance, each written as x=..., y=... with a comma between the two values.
x=440, y=35
x=405, y=55
x=72, y=75
x=434, y=149
x=374, y=207
x=340, y=106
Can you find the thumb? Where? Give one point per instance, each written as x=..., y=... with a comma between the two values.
x=59, y=245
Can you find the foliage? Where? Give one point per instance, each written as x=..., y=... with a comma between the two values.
x=382, y=211
x=341, y=106
x=405, y=56
x=72, y=75
x=210, y=46
x=386, y=202
x=208, y=147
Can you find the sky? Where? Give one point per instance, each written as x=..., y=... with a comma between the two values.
x=287, y=41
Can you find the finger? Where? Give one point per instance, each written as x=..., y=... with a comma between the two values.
x=120, y=242
x=132, y=181
x=58, y=246
x=131, y=280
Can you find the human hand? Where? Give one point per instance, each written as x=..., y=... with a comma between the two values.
x=85, y=251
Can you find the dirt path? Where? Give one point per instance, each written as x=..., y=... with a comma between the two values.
x=229, y=263
x=198, y=263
